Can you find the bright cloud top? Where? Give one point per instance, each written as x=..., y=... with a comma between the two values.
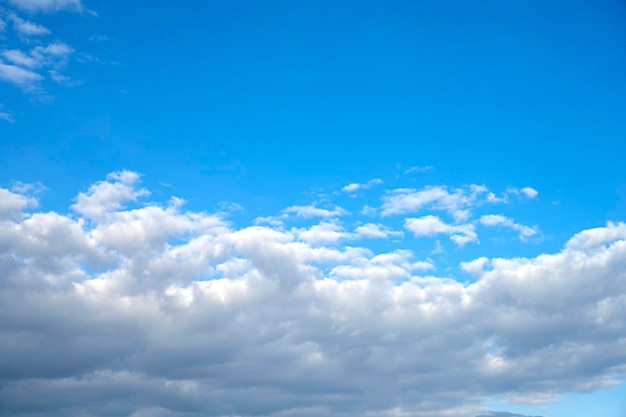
x=125, y=307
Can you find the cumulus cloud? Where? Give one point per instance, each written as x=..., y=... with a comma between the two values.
x=145, y=309
x=432, y=225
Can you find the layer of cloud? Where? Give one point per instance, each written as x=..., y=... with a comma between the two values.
x=146, y=309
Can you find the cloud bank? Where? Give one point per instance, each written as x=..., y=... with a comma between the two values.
x=126, y=307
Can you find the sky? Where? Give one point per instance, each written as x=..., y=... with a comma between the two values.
x=312, y=208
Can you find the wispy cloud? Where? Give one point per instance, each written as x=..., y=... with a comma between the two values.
x=47, y=5
x=353, y=187
x=22, y=78
x=311, y=211
x=417, y=169
x=27, y=28
x=525, y=232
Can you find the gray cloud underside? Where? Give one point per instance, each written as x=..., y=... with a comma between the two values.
x=157, y=311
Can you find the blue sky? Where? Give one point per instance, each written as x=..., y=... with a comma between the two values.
x=449, y=146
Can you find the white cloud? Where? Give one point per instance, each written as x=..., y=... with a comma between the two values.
x=6, y=115
x=27, y=28
x=308, y=212
x=22, y=74
x=353, y=187
x=12, y=204
x=3, y=25
x=525, y=232
x=475, y=267
x=529, y=192
x=47, y=5
x=105, y=197
x=323, y=233
x=152, y=311
x=418, y=169
x=433, y=225
x=376, y=231
x=22, y=78
x=18, y=57
x=457, y=202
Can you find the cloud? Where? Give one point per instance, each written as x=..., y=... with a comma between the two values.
x=475, y=267
x=418, y=169
x=529, y=192
x=525, y=232
x=323, y=233
x=21, y=72
x=48, y=5
x=457, y=202
x=20, y=58
x=126, y=307
x=353, y=187
x=503, y=414
x=376, y=231
x=27, y=28
x=6, y=116
x=108, y=196
x=3, y=25
x=308, y=212
x=24, y=79
x=432, y=225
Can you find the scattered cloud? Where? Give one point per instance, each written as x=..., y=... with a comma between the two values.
x=456, y=202
x=22, y=78
x=418, y=169
x=525, y=232
x=6, y=115
x=353, y=187
x=311, y=211
x=27, y=28
x=432, y=225
x=47, y=5
x=376, y=231
x=529, y=192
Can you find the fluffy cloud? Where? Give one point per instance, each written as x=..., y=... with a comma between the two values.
x=432, y=225
x=123, y=308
